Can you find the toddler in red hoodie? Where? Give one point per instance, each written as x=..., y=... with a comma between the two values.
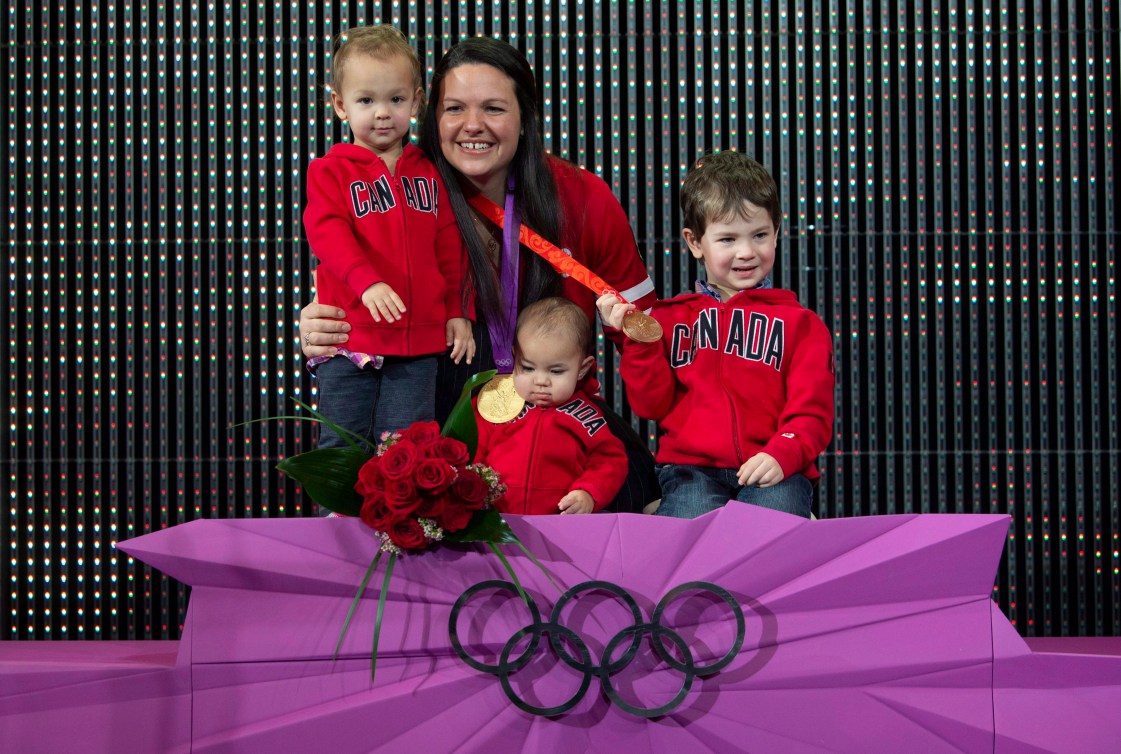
x=390, y=252
x=558, y=455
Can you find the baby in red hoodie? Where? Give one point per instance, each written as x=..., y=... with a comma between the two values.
x=558, y=455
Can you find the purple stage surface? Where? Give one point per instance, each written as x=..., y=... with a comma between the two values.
x=94, y=696
x=863, y=634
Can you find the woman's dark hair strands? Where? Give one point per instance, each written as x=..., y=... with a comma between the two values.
x=535, y=190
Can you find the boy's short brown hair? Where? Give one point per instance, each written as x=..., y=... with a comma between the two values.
x=557, y=316
x=381, y=41
x=718, y=185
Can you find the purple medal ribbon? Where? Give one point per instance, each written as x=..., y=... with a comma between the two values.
x=502, y=333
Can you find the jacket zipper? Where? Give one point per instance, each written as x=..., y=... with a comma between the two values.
x=725, y=322
x=532, y=455
x=405, y=240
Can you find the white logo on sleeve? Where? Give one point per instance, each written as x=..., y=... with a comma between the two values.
x=788, y=435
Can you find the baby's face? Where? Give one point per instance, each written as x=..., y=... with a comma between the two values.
x=547, y=368
x=738, y=252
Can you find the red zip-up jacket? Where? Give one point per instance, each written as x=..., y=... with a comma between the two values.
x=729, y=380
x=545, y=453
x=367, y=225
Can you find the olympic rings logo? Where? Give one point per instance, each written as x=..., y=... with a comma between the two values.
x=560, y=637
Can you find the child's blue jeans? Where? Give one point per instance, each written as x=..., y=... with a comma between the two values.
x=691, y=491
x=372, y=401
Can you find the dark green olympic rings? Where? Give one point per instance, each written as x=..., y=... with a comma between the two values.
x=579, y=658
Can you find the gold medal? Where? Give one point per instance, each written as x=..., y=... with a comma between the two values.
x=642, y=327
x=498, y=401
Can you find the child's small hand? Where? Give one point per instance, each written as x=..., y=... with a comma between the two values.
x=460, y=339
x=611, y=310
x=383, y=301
x=761, y=470
x=577, y=501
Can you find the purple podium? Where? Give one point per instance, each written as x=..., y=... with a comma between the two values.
x=864, y=634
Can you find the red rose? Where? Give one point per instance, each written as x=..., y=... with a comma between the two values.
x=407, y=534
x=422, y=433
x=434, y=475
x=375, y=513
x=374, y=498
x=401, y=496
x=452, y=451
x=433, y=505
x=370, y=477
x=399, y=460
x=455, y=517
x=471, y=488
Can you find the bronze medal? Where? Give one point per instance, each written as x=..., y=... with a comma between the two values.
x=642, y=327
x=498, y=401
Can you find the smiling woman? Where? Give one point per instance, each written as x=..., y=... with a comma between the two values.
x=484, y=137
x=479, y=124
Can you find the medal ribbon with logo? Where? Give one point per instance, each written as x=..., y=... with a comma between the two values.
x=498, y=401
x=637, y=325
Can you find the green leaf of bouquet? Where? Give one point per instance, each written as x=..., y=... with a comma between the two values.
x=485, y=526
x=381, y=609
x=353, y=439
x=460, y=424
x=328, y=476
x=354, y=604
x=537, y=562
x=510, y=570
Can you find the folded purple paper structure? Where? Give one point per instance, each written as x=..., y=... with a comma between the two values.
x=865, y=634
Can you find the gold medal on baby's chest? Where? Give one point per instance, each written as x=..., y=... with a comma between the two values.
x=498, y=401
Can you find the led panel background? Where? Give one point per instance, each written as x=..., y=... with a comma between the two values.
x=947, y=170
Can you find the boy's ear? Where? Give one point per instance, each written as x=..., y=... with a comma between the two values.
x=585, y=365
x=692, y=242
x=418, y=101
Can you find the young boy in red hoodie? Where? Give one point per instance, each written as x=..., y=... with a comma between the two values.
x=558, y=455
x=741, y=383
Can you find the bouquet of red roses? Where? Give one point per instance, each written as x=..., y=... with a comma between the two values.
x=420, y=485
x=416, y=488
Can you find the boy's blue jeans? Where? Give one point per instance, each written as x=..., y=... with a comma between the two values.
x=372, y=401
x=691, y=491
